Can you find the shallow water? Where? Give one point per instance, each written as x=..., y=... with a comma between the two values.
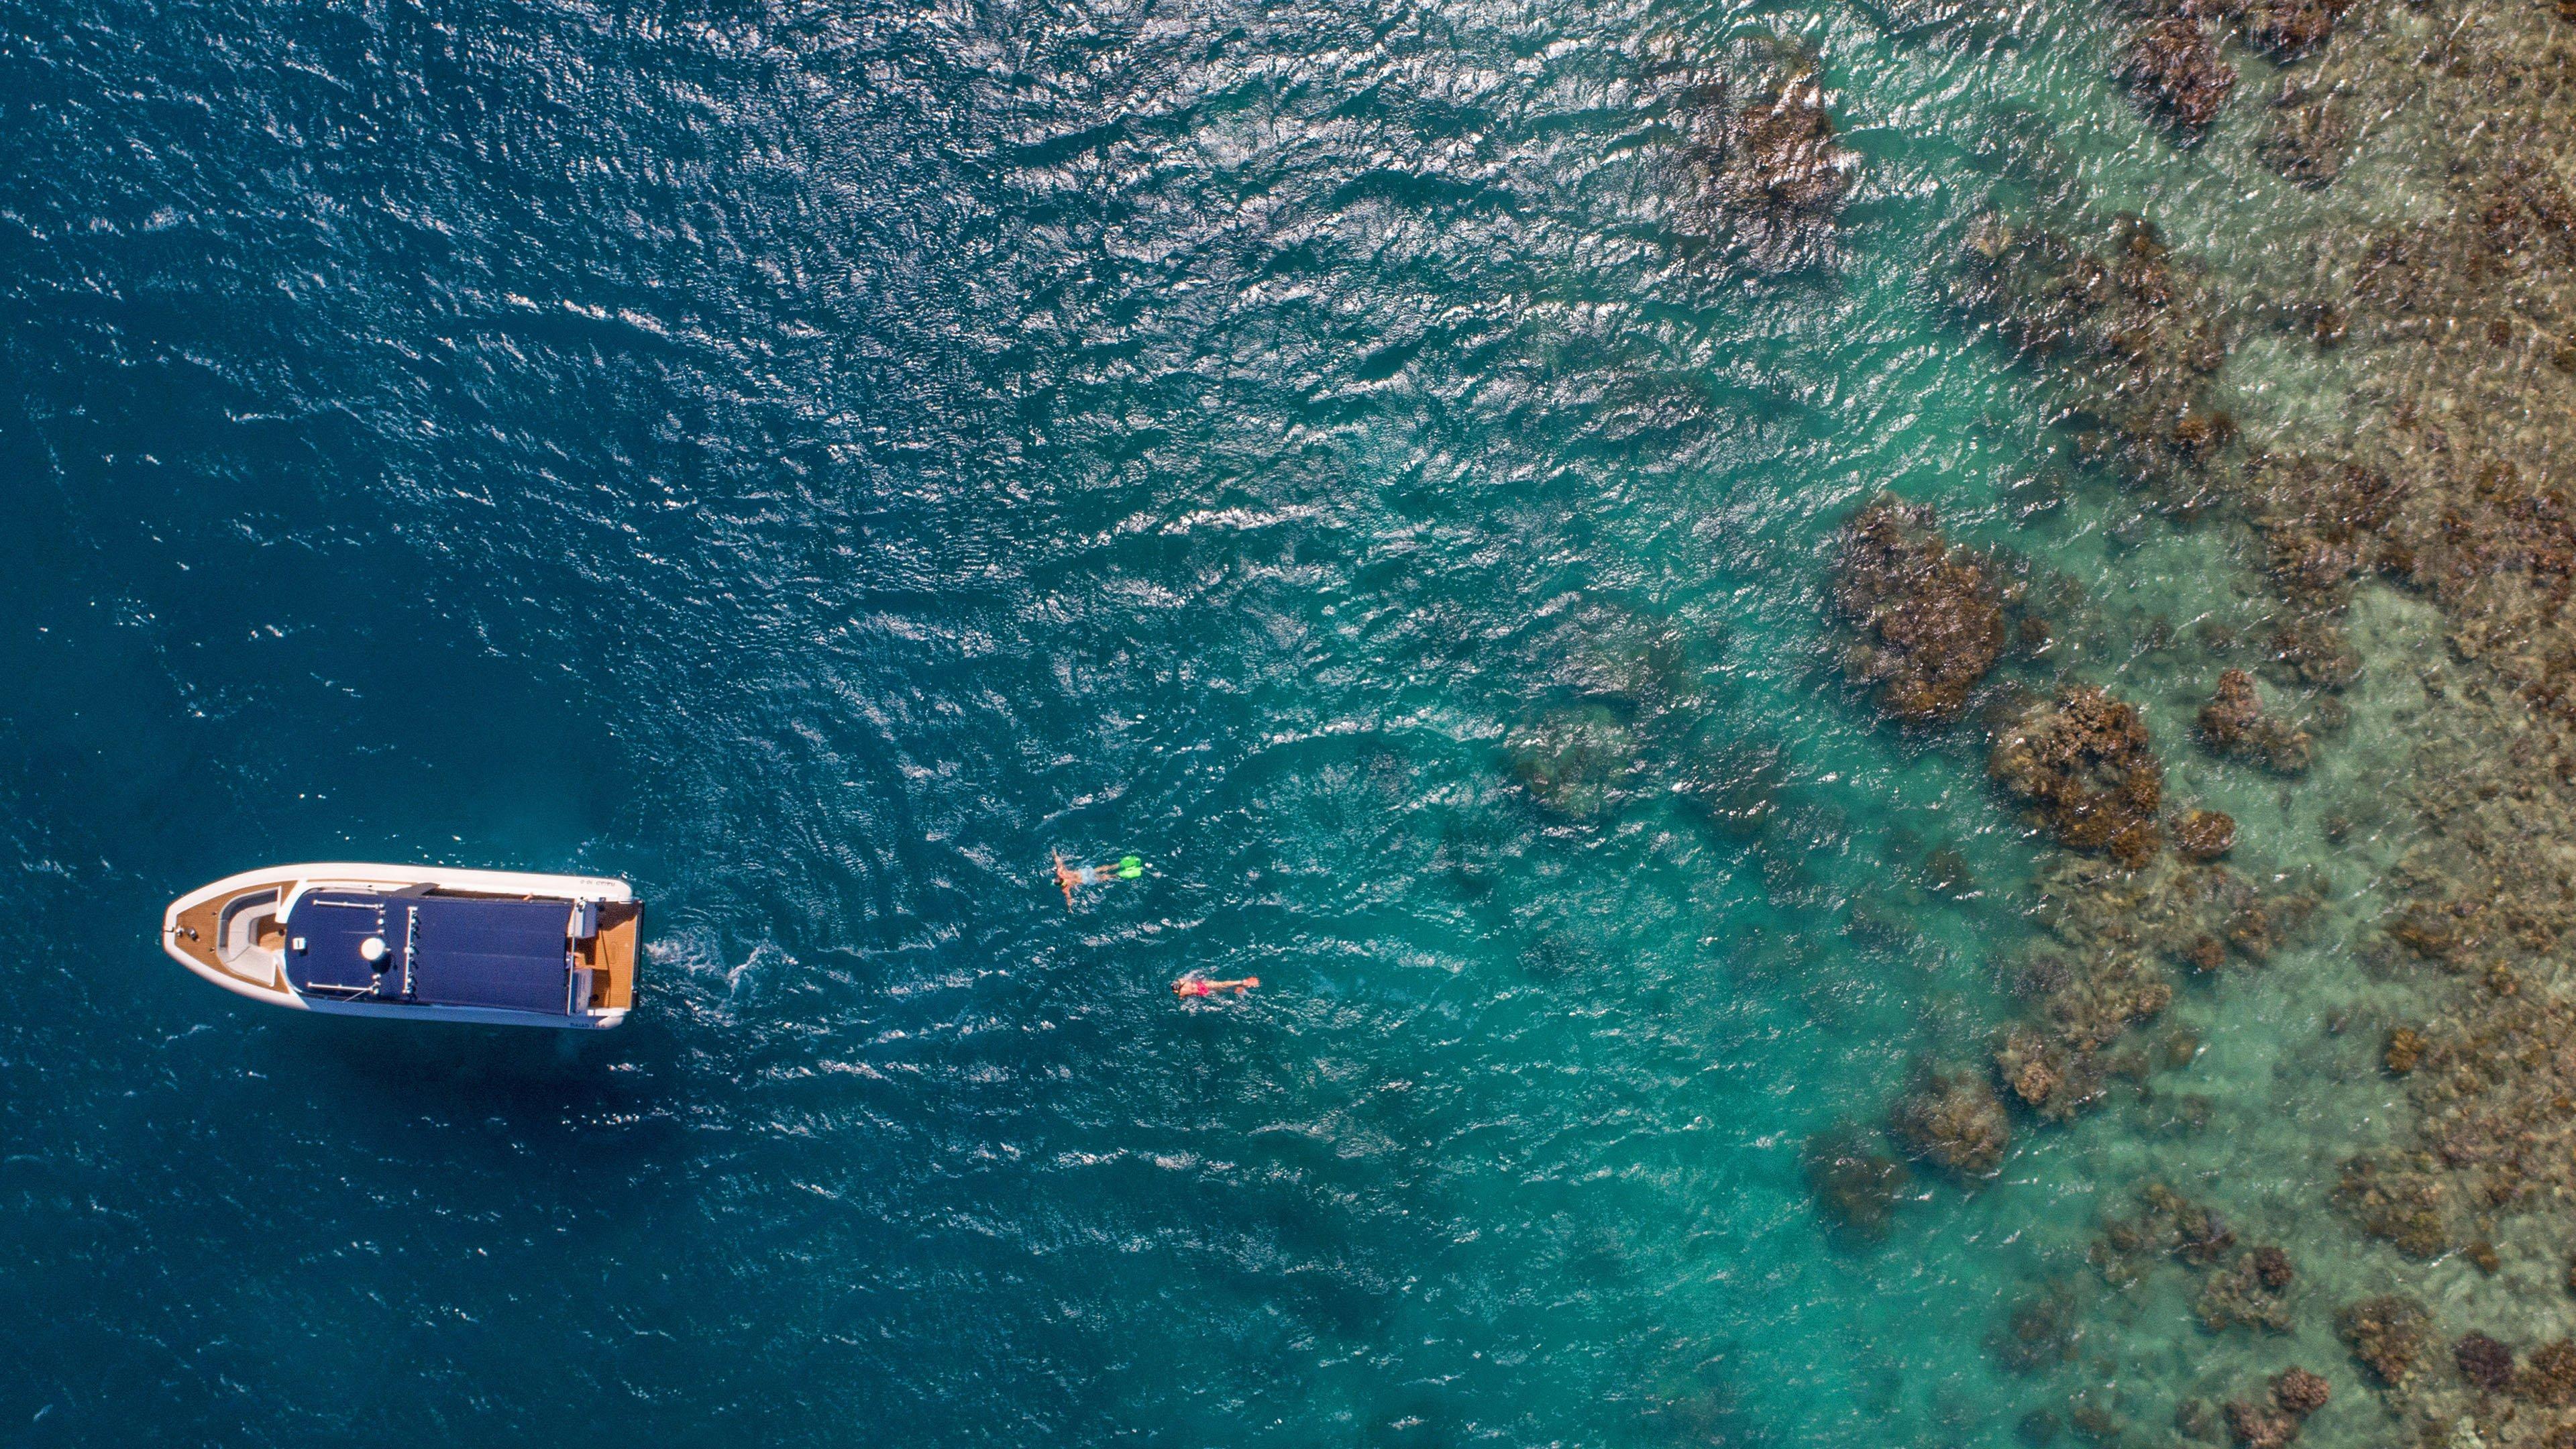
x=819, y=462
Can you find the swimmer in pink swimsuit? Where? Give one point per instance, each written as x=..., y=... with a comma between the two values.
x=1190, y=986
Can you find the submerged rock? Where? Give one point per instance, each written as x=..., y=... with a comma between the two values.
x=2234, y=726
x=2082, y=761
x=2177, y=75
x=2305, y=137
x=2483, y=1361
x=2204, y=835
x=2300, y=1392
x=1855, y=1180
x=1577, y=762
x=2260, y=1426
x=2405, y=1049
x=1955, y=1120
x=2387, y=1335
x=2039, y=1332
x=2285, y=30
x=1787, y=160
x=1772, y=174
x=2551, y=1376
x=1930, y=616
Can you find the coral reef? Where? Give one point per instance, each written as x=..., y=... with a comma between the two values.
x=1769, y=173
x=2300, y=1392
x=2306, y=136
x=2446, y=471
x=2174, y=69
x=2405, y=1048
x=1954, y=1120
x=2387, y=1335
x=2082, y=763
x=2167, y=1226
x=1579, y=761
x=1786, y=160
x=2204, y=835
x=2483, y=1361
x=2285, y=30
x=2252, y=1294
x=1855, y=1180
x=2133, y=334
x=1930, y=617
x=2550, y=1377
x=2040, y=1331
x=2275, y=1420
x=2233, y=725
x=2399, y=1198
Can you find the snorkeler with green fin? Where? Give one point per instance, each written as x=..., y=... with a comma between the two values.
x=1128, y=867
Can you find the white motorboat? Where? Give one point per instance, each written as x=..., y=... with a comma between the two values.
x=426, y=943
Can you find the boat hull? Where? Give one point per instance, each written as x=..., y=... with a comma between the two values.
x=232, y=933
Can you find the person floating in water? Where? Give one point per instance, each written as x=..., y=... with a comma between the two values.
x=1196, y=985
x=1068, y=876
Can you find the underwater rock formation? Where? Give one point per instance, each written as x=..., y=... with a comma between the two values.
x=2166, y=1226
x=2234, y=726
x=1771, y=174
x=2293, y=1394
x=1787, y=162
x=2387, y=1335
x=2251, y=1293
x=1954, y=1120
x=2204, y=835
x=2134, y=336
x=1930, y=617
x=2285, y=30
x=2400, y=1201
x=2177, y=75
x=2305, y=136
x=2040, y=1331
x=2550, y=1377
x=2483, y=1361
x=2300, y=1392
x=1855, y=1180
x=1577, y=762
x=2083, y=764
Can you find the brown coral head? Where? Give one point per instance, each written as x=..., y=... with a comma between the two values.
x=2299, y=1392
x=1954, y=1120
x=2483, y=1361
x=2551, y=1376
x=2258, y=1426
x=1929, y=617
x=2204, y=835
x=2174, y=69
x=2083, y=763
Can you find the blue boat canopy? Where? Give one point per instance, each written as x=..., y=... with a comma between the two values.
x=432, y=950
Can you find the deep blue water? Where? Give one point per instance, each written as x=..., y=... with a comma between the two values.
x=818, y=461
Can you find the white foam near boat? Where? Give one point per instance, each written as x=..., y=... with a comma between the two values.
x=501, y=947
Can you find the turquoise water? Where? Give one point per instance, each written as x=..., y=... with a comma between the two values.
x=818, y=463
